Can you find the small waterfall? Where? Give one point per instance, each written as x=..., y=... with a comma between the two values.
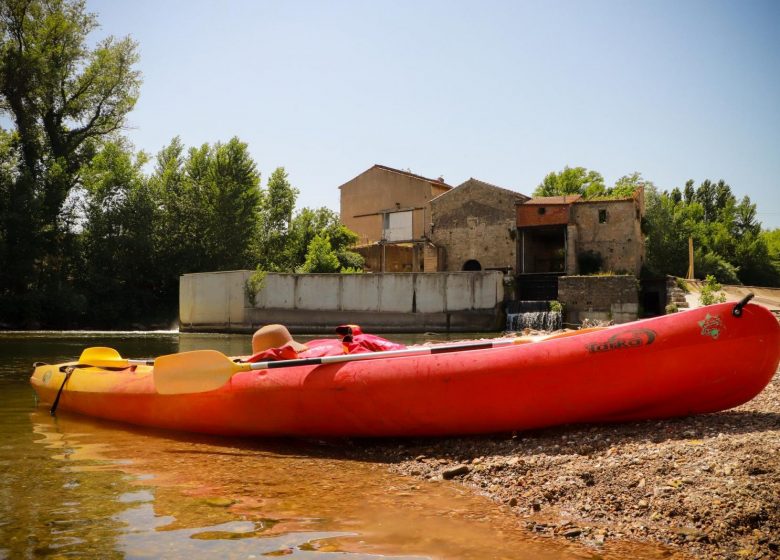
x=535, y=315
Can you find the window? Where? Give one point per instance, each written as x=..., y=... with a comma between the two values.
x=541, y=210
x=397, y=226
x=603, y=216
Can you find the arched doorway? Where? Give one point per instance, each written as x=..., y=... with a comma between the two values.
x=472, y=265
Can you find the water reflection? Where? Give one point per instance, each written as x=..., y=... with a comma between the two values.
x=155, y=495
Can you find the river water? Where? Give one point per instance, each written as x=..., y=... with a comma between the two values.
x=73, y=487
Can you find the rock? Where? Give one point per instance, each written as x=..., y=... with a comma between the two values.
x=220, y=502
x=690, y=533
x=460, y=470
x=572, y=533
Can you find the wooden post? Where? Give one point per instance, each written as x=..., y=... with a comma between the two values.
x=689, y=276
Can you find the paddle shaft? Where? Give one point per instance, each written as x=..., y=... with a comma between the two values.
x=378, y=355
x=406, y=352
x=198, y=371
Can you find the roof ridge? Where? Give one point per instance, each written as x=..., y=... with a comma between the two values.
x=492, y=185
x=410, y=174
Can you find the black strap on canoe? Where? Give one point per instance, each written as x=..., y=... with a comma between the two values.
x=68, y=372
x=106, y=368
x=737, y=311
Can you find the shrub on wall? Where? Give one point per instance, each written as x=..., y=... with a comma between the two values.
x=254, y=285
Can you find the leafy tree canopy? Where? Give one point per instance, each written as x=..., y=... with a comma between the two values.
x=728, y=241
x=588, y=183
x=571, y=180
x=64, y=98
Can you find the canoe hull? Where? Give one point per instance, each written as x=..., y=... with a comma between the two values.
x=698, y=361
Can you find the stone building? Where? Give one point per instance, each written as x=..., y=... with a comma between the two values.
x=472, y=227
x=568, y=236
x=611, y=231
x=571, y=235
x=388, y=208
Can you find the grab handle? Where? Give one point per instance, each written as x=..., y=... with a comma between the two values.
x=737, y=311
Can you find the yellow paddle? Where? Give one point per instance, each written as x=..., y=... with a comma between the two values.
x=199, y=371
x=102, y=356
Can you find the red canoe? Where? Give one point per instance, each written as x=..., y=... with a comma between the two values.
x=697, y=361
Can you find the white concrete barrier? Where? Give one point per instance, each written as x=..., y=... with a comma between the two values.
x=410, y=302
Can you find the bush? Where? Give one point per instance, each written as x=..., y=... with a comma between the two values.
x=254, y=285
x=350, y=261
x=671, y=308
x=712, y=264
x=710, y=292
x=320, y=256
x=556, y=306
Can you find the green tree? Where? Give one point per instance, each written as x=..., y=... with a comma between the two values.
x=280, y=201
x=772, y=240
x=233, y=201
x=307, y=224
x=119, y=281
x=627, y=185
x=62, y=97
x=320, y=256
x=589, y=184
x=210, y=201
x=728, y=242
x=276, y=216
x=571, y=180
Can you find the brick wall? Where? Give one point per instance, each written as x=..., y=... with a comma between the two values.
x=543, y=214
x=601, y=298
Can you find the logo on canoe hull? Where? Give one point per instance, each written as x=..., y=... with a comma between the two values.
x=627, y=339
x=711, y=326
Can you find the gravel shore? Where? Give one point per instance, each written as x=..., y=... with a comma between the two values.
x=706, y=486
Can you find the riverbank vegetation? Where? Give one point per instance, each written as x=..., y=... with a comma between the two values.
x=88, y=236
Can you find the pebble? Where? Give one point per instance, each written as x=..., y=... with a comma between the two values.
x=460, y=470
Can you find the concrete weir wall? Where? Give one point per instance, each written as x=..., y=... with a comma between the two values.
x=315, y=303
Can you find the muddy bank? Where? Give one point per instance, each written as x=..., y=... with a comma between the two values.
x=707, y=486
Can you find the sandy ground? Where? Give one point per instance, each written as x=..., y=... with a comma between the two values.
x=707, y=486
x=768, y=297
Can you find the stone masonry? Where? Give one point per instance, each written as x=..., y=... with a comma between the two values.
x=475, y=221
x=601, y=298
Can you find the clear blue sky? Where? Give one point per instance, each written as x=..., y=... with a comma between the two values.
x=502, y=91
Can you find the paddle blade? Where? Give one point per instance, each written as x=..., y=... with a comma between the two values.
x=193, y=372
x=102, y=356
